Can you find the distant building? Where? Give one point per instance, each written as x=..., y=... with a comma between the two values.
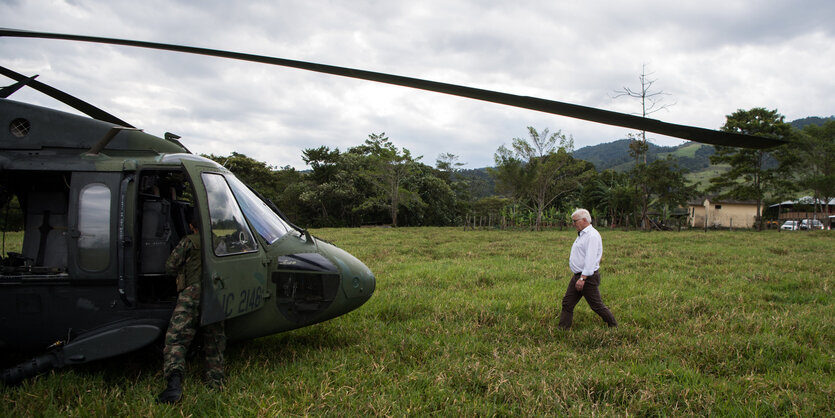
x=725, y=213
x=806, y=207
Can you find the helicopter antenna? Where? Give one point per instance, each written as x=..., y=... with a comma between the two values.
x=69, y=100
x=707, y=136
x=175, y=139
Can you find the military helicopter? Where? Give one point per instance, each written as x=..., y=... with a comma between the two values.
x=104, y=203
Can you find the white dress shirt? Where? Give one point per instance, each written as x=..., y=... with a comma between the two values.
x=586, y=252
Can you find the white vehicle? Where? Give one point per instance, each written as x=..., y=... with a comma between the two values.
x=811, y=224
x=790, y=225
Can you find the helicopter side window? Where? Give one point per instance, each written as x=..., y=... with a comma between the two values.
x=230, y=233
x=94, y=227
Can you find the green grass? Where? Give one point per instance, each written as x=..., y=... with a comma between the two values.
x=11, y=241
x=465, y=323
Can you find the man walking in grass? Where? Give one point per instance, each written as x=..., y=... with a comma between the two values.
x=585, y=263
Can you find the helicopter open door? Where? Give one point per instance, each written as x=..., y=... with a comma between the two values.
x=234, y=265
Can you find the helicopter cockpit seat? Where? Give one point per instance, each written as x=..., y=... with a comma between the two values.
x=180, y=211
x=45, y=231
x=159, y=236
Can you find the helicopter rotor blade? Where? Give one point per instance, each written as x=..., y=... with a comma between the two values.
x=9, y=90
x=70, y=100
x=707, y=136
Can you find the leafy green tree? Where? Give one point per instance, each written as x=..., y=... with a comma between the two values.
x=617, y=196
x=493, y=207
x=331, y=191
x=753, y=172
x=367, y=204
x=276, y=185
x=448, y=165
x=288, y=180
x=659, y=185
x=463, y=185
x=323, y=161
x=437, y=203
x=613, y=194
x=639, y=177
x=317, y=193
x=666, y=186
x=256, y=174
x=815, y=162
x=388, y=169
x=539, y=172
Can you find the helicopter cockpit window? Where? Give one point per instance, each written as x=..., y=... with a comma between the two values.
x=266, y=222
x=94, y=227
x=230, y=233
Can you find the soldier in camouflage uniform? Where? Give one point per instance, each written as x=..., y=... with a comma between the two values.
x=185, y=262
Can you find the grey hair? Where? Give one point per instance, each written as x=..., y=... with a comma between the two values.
x=583, y=214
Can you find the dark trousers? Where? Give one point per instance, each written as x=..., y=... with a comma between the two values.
x=591, y=291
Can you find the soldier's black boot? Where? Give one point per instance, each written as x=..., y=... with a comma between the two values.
x=172, y=393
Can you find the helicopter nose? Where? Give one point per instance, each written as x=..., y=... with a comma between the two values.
x=358, y=282
x=357, y=279
x=363, y=283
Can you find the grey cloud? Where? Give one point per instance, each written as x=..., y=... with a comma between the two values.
x=713, y=56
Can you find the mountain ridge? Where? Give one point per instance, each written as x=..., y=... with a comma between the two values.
x=692, y=156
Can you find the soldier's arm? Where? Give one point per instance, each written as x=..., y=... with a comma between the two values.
x=177, y=257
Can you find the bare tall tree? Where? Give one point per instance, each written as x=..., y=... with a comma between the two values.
x=650, y=100
x=650, y=103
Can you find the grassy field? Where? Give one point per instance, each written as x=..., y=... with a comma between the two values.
x=465, y=323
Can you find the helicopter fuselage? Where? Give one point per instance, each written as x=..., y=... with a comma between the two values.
x=102, y=206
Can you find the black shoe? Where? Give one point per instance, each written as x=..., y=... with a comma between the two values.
x=174, y=391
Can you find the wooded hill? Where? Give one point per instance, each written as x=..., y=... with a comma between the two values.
x=615, y=155
x=691, y=156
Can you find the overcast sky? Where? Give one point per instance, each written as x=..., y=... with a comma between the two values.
x=710, y=57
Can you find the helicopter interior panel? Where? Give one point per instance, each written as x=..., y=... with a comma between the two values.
x=43, y=200
x=158, y=235
x=45, y=232
x=163, y=202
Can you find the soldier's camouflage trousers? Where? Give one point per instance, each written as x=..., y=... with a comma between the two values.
x=181, y=332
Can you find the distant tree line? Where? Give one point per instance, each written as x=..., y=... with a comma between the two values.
x=537, y=181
